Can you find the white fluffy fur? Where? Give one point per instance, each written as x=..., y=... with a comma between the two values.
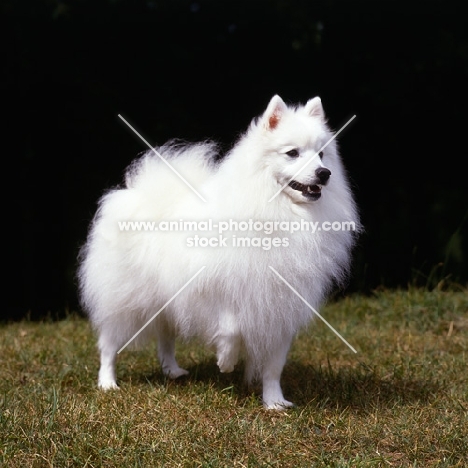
x=237, y=305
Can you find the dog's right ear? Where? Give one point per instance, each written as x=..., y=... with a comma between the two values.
x=314, y=108
x=274, y=112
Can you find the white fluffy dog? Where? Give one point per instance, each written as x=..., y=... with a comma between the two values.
x=237, y=304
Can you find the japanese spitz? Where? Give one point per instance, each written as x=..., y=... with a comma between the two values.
x=157, y=263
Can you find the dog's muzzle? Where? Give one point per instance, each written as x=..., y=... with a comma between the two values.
x=313, y=191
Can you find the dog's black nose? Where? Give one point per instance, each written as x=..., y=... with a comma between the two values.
x=323, y=174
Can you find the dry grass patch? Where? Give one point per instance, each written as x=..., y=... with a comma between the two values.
x=401, y=401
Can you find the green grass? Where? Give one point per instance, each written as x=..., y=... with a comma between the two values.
x=401, y=401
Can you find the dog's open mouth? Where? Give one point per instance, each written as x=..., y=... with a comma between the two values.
x=313, y=192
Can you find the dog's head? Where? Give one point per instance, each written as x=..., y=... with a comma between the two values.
x=299, y=152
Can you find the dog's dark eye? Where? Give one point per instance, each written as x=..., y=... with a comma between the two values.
x=293, y=153
x=321, y=154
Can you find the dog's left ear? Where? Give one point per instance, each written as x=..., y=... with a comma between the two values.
x=274, y=112
x=314, y=108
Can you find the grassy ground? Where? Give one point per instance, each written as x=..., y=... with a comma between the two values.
x=401, y=401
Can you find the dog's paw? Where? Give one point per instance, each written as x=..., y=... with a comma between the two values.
x=278, y=405
x=108, y=385
x=227, y=361
x=225, y=367
x=175, y=373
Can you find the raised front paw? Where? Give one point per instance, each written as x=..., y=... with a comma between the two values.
x=226, y=364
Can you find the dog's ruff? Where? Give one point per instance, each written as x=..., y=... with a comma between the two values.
x=237, y=305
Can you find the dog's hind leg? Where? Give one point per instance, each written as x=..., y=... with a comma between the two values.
x=166, y=352
x=108, y=348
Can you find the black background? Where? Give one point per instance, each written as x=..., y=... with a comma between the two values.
x=204, y=69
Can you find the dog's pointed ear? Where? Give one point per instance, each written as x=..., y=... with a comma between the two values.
x=314, y=108
x=274, y=112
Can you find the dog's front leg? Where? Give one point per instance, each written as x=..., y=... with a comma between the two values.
x=273, y=367
x=228, y=342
